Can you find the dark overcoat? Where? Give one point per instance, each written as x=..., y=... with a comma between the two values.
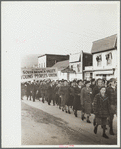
x=64, y=92
x=76, y=100
x=112, y=94
x=101, y=106
x=86, y=100
x=95, y=91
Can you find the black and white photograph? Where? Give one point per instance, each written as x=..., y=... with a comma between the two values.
x=60, y=74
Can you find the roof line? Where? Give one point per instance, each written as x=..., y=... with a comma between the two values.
x=104, y=38
x=105, y=50
x=53, y=54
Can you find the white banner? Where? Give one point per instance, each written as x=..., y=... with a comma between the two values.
x=38, y=74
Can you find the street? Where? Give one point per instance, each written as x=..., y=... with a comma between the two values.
x=48, y=125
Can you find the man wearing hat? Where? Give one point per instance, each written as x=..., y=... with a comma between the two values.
x=112, y=94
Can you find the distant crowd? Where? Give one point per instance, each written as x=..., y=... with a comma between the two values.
x=96, y=96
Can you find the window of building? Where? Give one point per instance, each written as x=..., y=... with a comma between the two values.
x=71, y=66
x=109, y=58
x=78, y=68
x=99, y=60
x=41, y=65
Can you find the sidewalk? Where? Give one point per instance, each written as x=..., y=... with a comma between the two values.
x=76, y=123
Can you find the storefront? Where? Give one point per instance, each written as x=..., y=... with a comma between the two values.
x=104, y=74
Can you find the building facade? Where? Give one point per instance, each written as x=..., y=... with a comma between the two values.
x=48, y=60
x=60, y=66
x=105, y=59
x=77, y=62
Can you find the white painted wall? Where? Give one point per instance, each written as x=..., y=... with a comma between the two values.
x=62, y=75
x=104, y=64
x=75, y=76
x=42, y=62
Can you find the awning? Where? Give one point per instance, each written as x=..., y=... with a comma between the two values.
x=68, y=70
x=104, y=72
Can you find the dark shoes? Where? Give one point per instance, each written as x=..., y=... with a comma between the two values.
x=43, y=101
x=111, y=132
x=75, y=113
x=105, y=136
x=95, y=130
x=88, y=121
x=83, y=118
x=69, y=112
x=105, y=127
x=94, y=122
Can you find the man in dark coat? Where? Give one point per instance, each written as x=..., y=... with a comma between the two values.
x=86, y=100
x=38, y=85
x=50, y=92
x=64, y=93
x=34, y=90
x=92, y=84
x=46, y=89
x=53, y=92
x=76, y=101
x=112, y=94
x=42, y=90
x=29, y=86
x=95, y=91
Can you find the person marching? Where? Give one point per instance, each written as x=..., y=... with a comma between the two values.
x=34, y=90
x=50, y=92
x=76, y=101
x=71, y=97
x=112, y=94
x=101, y=110
x=29, y=90
x=37, y=93
x=93, y=84
x=86, y=101
x=56, y=92
x=64, y=93
x=53, y=92
x=95, y=91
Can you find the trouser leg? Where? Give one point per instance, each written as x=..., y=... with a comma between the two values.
x=75, y=113
x=69, y=110
x=43, y=97
x=111, y=124
x=104, y=134
x=88, y=121
x=95, y=128
x=53, y=100
x=34, y=98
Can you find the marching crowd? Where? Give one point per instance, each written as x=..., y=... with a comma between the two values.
x=95, y=96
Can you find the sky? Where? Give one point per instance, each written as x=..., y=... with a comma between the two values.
x=56, y=27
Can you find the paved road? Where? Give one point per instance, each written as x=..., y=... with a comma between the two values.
x=47, y=125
